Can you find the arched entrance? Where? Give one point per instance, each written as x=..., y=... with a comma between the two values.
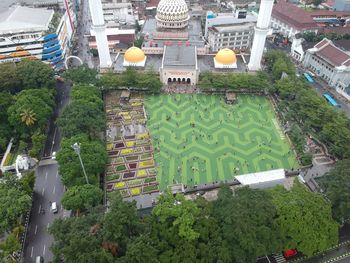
x=183, y=80
x=188, y=80
x=179, y=80
x=72, y=57
x=169, y=80
x=174, y=79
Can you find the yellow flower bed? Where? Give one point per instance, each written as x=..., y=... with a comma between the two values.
x=141, y=173
x=119, y=185
x=142, y=136
x=136, y=191
x=126, y=151
x=127, y=117
x=123, y=113
x=147, y=163
x=130, y=144
x=109, y=146
x=136, y=104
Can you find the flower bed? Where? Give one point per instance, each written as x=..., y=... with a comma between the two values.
x=135, y=182
x=124, y=193
x=109, y=146
x=135, y=191
x=130, y=143
x=119, y=185
x=150, y=179
x=132, y=158
x=146, y=156
x=112, y=177
x=147, y=163
x=126, y=151
x=150, y=188
x=120, y=168
x=141, y=173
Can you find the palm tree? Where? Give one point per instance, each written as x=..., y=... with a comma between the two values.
x=28, y=117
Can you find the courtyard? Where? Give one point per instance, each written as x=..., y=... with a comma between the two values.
x=199, y=139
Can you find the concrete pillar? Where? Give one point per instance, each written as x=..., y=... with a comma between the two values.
x=261, y=29
x=98, y=25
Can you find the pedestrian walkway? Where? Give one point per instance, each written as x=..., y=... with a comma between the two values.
x=279, y=258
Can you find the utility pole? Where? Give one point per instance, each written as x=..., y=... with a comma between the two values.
x=76, y=148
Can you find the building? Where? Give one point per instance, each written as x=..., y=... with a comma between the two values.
x=115, y=38
x=179, y=65
x=35, y=33
x=330, y=63
x=342, y=5
x=172, y=14
x=233, y=31
x=288, y=19
x=118, y=15
x=134, y=57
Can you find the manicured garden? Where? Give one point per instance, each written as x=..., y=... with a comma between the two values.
x=200, y=139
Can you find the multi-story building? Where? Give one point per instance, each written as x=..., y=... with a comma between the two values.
x=34, y=33
x=234, y=30
x=330, y=63
x=288, y=19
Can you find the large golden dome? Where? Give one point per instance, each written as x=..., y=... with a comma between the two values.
x=134, y=55
x=226, y=56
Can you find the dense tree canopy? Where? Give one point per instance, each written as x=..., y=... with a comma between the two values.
x=87, y=94
x=6, y=100
x=247, y=223
x=336, y=185
x=234, y=81
x=93, y=155
x=9, y=81
x=130, y=78
x=278, y=62
x=82, y=197
x=305, y=219
x=34, y=74
x=15, y=201
x=81, y=74
x=38, y=103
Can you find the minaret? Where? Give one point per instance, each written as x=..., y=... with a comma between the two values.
x=261, y=29
x=98, y=25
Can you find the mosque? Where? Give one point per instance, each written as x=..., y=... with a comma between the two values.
x=174, y=45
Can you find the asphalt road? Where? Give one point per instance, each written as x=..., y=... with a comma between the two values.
x=48, y=188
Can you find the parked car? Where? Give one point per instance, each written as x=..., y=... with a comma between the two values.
x=290, y=253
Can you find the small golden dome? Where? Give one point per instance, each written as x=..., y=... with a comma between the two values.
x=134, y=55
x=226, y=56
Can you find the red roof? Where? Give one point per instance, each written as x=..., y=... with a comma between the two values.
x=293, y=15
x=331, y=53
x=328, y=13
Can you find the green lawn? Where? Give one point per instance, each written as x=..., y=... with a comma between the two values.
x=200, y=139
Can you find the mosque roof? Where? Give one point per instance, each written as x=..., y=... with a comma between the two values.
x=226, y=56
x=134, y=55
x=172, y=11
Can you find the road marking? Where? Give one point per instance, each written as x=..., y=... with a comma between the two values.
x=54, y=188
x=39, y=209
x=36, y=229
x=48, y=225
x=46, y=176
x=43, y=191
x=31, y=253
x=44, y=250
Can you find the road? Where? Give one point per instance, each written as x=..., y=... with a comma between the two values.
x=48, y=188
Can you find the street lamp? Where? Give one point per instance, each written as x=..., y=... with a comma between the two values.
x=76, y=148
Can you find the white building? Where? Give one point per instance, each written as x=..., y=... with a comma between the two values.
x=118, y=15
x=288, y=19
x=330, y=63
x=35, y=33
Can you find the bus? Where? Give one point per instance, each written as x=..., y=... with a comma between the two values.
x=331, y=100
x=308, y=78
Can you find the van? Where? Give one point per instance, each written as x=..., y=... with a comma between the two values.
x=39, y=259
x=54, y=207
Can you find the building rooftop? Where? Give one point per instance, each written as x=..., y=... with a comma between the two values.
x=235, y=27
x=179, y=57
x=293, y=15
x=327, y=50
x=19, y=19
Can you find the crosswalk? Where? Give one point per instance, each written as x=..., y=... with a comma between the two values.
x=279, y=258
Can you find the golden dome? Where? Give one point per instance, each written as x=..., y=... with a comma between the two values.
x=134, y=55
x=226, y=56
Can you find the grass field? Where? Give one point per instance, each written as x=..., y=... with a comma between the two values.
x=200, y=139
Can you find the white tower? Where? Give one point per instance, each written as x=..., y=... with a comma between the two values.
x=261, y=29
x=98, y=25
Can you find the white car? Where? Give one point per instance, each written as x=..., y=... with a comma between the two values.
x=53, y=156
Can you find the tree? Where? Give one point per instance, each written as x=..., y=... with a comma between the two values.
x=93, y=155
x=87, y=94
x=82, y=197
x=34, y=74
x=81, y=118
x=110, y=80
x=9, y=81
x=6, y=100
x=335, y=184
x=247, y=225
x=9, y=246
x=304, y=219
x=81, y=74
x=14, y=202
x=28, y=117
x=38, y=141
x=41, y=104
x=27, y=182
